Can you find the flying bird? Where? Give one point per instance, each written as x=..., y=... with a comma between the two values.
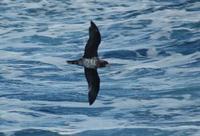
x=90, y=61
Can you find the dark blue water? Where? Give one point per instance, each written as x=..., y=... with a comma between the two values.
x=151, y=88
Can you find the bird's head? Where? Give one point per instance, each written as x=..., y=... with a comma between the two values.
x=102, y=63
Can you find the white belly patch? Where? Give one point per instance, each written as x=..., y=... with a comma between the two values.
x=89, y=63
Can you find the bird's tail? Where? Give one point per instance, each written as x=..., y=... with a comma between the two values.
x=72, y=61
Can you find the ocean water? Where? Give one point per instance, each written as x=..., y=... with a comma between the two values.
x=151, y=88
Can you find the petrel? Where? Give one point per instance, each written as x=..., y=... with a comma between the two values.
x=90, y=61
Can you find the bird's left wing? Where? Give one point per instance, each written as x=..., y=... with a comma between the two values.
x=93, y=84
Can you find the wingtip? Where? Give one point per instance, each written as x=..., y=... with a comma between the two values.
x=92, y=24
x=91, y=101
x=92, y=97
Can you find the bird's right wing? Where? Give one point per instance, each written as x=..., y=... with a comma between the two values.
x=91, y=48
x=93, y=84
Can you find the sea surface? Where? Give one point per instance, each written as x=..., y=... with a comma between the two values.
x=150, y=88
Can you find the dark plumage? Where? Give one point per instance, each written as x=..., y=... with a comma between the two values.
x=91, y=62
x=93, y=42
x=93, y=83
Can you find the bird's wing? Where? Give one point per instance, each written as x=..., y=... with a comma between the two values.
x=93, y=84
x=93, y=42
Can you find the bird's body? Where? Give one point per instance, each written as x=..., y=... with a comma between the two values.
x=90, y=61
